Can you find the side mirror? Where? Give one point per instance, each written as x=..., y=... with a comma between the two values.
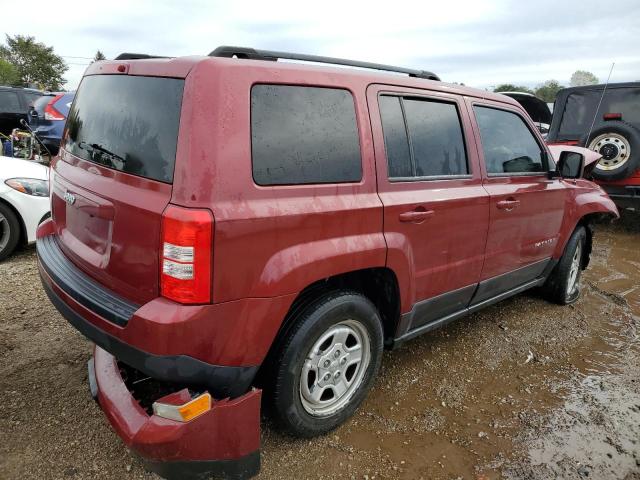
x=570, y=165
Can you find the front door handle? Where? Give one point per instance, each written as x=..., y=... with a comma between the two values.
x=508, y=204
x=415, y=216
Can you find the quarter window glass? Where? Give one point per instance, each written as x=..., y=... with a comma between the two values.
x=395, y=137
x=9, y=102
x=302, y=135
x=507, y=143
x=436, y=138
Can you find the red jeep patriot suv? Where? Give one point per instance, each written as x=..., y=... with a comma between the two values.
x=233, y=221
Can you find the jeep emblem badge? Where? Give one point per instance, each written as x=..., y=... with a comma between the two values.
x=70, y=198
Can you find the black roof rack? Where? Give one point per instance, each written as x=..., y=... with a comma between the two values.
x=136, y=56
x=254, y=54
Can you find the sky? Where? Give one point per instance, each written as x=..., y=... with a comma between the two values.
x=478, y=43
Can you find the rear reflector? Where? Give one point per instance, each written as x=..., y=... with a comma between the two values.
x=185, y=261
x=50, y=112
x=612, y=116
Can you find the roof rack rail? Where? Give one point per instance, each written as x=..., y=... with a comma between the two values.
x=136, y=56
x=254, y=54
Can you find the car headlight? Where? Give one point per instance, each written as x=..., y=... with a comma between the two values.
x=30, y=186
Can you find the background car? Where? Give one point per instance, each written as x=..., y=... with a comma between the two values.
x=606, y=121
x=14, y=106
x=24, y=202
x=48, y=116
x=537, y=109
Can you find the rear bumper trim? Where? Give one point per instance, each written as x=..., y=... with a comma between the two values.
x=627, y=196
x=80, y=287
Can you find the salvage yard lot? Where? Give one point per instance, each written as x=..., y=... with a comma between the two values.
x=523, y=389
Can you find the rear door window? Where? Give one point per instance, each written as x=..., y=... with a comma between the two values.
x=509, y=146
x=303, y=135
x=127, y=123
x=423, y=138
x=9, y=102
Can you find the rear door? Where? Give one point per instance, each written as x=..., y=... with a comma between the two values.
x=436, y=211
x=114, y=179
x=527, y=208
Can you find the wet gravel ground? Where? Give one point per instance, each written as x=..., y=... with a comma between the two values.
x=521, y=390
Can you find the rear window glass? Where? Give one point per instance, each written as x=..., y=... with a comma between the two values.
x=302, y=135
x=128, y=123
x=580, y=109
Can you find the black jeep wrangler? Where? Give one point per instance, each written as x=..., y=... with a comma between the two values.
x=607, y=121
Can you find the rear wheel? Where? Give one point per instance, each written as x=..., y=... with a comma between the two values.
x=327, y=363
x=9, y=231
x=563, y=285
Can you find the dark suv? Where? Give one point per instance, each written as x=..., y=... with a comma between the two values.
x=606, y=120
x=231, y=222
x=14, y=106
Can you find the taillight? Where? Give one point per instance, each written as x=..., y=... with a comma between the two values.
x=50, y=112
x=612, y=116
x=185, y=258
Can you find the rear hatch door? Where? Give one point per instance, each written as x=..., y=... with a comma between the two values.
x=114, y=179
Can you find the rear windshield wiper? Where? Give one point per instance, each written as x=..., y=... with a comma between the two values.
x=94, y=147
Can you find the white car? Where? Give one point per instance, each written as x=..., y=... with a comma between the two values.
x=24, y=202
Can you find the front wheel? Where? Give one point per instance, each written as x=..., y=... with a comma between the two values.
x=563, y=285
x=9, y=231
x=327, y=363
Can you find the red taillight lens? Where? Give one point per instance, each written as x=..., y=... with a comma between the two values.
x=612, y=116
x=185, y=256
x=50, y=112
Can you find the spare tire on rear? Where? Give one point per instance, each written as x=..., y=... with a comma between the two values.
x=619, y=144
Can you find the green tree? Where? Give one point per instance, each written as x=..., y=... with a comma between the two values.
x=8, y=73
x=548, y=90
x=35, y=62
x=509, y=87
x=580, y=78
x=99, y=56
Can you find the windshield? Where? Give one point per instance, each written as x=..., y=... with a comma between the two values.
x=128, y=123
x=580, y=109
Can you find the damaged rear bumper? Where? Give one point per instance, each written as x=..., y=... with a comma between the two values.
x=223, y=442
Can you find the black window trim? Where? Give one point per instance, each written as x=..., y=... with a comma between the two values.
x=543, y=148
x=312, y=184
x=424, y=178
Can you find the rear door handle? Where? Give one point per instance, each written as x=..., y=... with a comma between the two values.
x=509, y=204
x=415, y=216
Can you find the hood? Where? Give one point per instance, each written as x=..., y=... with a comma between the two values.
x=17, y=168
x=537, y=109
x=591, y=158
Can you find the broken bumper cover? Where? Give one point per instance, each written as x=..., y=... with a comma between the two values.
x=223, y=442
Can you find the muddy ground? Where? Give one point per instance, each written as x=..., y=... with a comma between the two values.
x=523, y=390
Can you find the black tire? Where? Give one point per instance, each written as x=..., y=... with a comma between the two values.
x=310, y=324
x=632, y=135
x=11, y=224
x=556, y=288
